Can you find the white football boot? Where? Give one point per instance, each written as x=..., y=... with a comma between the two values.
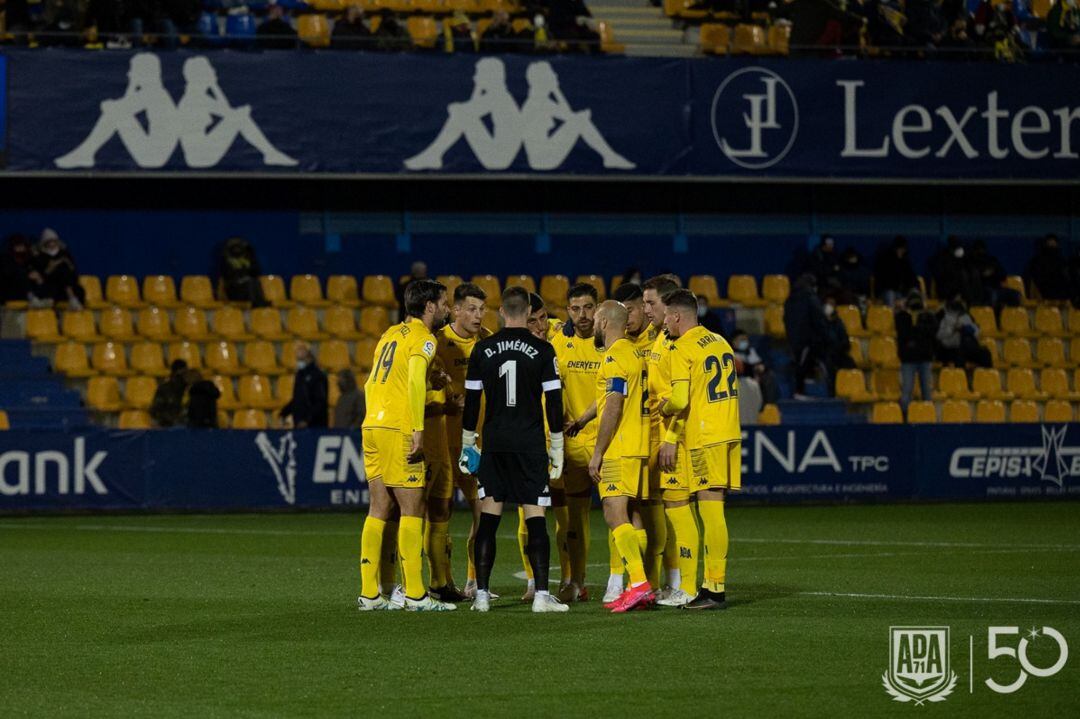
x=428, y=604
x=397, y=599
x=614, y=588
x=379, y=603
x=545, y=602
x=481, y=601
x=675, y=598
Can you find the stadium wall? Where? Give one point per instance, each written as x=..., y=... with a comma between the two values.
x=181, y=470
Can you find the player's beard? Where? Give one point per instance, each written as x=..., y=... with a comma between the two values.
x=598, y=340
x=437, y=323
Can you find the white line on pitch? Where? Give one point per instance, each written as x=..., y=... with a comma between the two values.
x=919, y=598
x=892, y=543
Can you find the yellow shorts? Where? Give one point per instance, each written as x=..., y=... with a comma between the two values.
x=675, y=485
x=653, y=471
x=465, y=482
x=440, y=481
x=386, y=454
x=624, y=477
x=575, y=479
x=717, y=466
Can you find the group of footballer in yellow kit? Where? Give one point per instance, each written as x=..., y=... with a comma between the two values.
x=651, y=405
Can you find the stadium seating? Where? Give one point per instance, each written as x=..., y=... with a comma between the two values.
x=103, y=394
x=1058, y=411
x=1048, y=322
x=77, y=325
x=596, y=281
x=221, y=358
x=109, y=358
x=41, y=326
x=1050, y=352
x=70, y=359
x=1023, y=410
x=153, y=324
x=160, y=291
x=525, y=281
x=135, y=419
x=227, y=400
x=307, y=290
x=334, y=356
x=186, y=351
x=885, y=384
x=955, y=412
x=249, y=419
x=774, y=321
x=123, y=290
x=139, y=392
x=148, y=359
x=229, y=324
x=365, y=353
x=769, y=415
x=1015, y=322
x=273, y=288
x=1055, y=383
x=374, y=321
x=255, y=392
x=743, y=290
x=1018, y=352
x=5, y=423
x=849, y=315
x=952, y=381
x=706, y=286
x=116, y=324
x=851, y=385
x=95, y=298
x=302, y=322
x=190, y=323
x=260, y=358
x=553, y=289
x=987, y=322
x=340, y=322
x=490, y=285
x=883, y=353
x=1021, y=383
x=887, y=413
x=284, y=390
x=776, y=288
x=989, y=411
x=379, y=290
x=450, y=282
x=266, y=323
x=880, y=321
x=922, y=412
x=342, y=291
x=196, y=290
x=986, y=383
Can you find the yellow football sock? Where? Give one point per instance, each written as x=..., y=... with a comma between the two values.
x=562, y=524
x=716, y=543
x=449, y=556
x=410, y=543
x=523, y=539
x=388, y=562
x=630, y=551
x=470, y=572
x=615, y=565
x=686, y=538
x=371, y=539
x=438, y=533
x=671, y=547
x=577, y=536
x=652, y=516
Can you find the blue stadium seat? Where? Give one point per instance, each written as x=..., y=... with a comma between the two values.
x=208, y=31
x=240, y=31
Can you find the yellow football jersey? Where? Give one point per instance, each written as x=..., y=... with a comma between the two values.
x=579, y=361
x=387, y=388
x=658, y=363
x=435, y=447
x=707, y=362
x=553, y=329
x=454, y=352
x=622, y=371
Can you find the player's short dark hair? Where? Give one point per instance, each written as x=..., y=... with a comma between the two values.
x=681, y=299
x=515, y=302
x=627, y=292
x=581, y=289
x=177, y=366
x=468, y=289
x=663, y=284
x=536, y=302
x=418, y=293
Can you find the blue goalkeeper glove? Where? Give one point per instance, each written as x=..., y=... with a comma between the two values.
x=469, y=461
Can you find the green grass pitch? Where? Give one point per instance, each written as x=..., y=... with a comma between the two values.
x=255, y=616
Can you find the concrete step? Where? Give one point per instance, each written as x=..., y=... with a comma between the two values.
x=658, y=35
x=645, y=10
x=653, y=50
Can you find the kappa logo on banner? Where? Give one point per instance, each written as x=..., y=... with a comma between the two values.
x=545, y=125
x=1052, y=462
x=755, y=118
x=282, y=461
x=203, y=123
x=919, y=668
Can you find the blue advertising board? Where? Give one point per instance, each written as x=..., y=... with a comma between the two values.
x=416, y=115
x=308, y=469
x=3, y=108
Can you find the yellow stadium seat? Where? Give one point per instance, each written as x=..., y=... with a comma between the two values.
x=332, y=396
x=135, y=419
x=553, y=289
x=341, y=323
x=1041, y=8
x=229, y=324
x=743, y=290
x=887, y=413
x=95, y=298
x=139, y=392
x=774, y=321
x=365, y=353
x=1018, y=352
x=1015, y=322
x=423, y=30
x=250, y=418
x=451, y=283
x=302, y=322
x=885, y=383
x=255, y=391
x=1074, y=350
x=1048, y=322
x=123, y=290
x=379, y=290
x=103, y=394
x=769, y=415
x=955, y=412
x=987, y=384
x=284, y=390
x=108, y=358
x=1023, y=410
x=41, y=325
x=1016, y=282
x=227, y=400
x=307, y=290
x=260, y=358
x=266, y=323
x=706, y=286
x=1021, y=382
x=314, y=30
x=984, y=318
x=851, y=385
x=154, y=324
x=615, y=282
x=849, y=315
x=857, y=355
x=374, y=321
x=1074, y=322
x=1055, y=383
x=990, y=411
x=1057, y=410
x=490, y=321
x=776, y=288
x=779, y=40
x=273, y=288
x=5, y=423
x=596, y=281
x=749, y=40
x=288, y=357
x=715, y=38
x=334, y=355
x=525, y=281
x=187, y=351
x=922, y=413
x=197, y=291
x=1050, y=352
x=79, y=326
x=116, y=324
x=190, y=323
x=159, y=290
x=991, y=346
x=70, y=359
x=608, y=44
x=953, y=383
x=342, y=290
x=880, y=320
x=147, y=358
x=221, y=358
x=883, y=352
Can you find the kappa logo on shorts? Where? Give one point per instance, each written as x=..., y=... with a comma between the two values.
x=685, y=553
x=609, y=360
x=612, y=488
x=365, y=560
x=413, y=478
x=673, y=482
x=703, y=481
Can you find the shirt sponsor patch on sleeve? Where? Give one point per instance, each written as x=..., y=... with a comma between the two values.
x=429, y=348
x=617, y=385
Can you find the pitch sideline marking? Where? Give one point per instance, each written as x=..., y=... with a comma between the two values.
x=922, y=598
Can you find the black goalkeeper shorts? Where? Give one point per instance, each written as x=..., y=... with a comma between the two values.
x=520, y=478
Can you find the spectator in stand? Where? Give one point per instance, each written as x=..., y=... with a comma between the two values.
x=1074, y=278
x=750, y=398
x=958, y=39
x=916, y=331
x=707, y=318
x=996, y=27
x=417, y=271
x=925, y=26
x=1047, y=271
x=201, y=401
x=276, y=32
x=349, y=410
x=392, y=35
x=854, y=278
x=824, y=264
x=308, y=406
x=53, y=273
x=15, y=269
x=954, y=274
x=992, y=276
x=1063, y=25
x=571, y=22
x=806, y=329
x=352, y=31
x=632, y=276
x=167, y=407
x=958, y=337
x=755, y=366
x=837, y=343
x=893, y=274
x=240, y=270
x=500, y=37
x=885, y=23
x=458, y=33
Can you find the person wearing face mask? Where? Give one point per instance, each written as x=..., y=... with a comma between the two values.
x=1047, y=270
x=707, y=318
x=15, y=269
x=806, y=329
x=754, y=367
x=824, y=264
x=308, y=406
x=894, y=276
x=54, y=273
x=915, y=333
x=837, y=344
x=954, y=274
x=958, y=337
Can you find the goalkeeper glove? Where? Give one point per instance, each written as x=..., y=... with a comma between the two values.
x=469, y=461
x=555, y=455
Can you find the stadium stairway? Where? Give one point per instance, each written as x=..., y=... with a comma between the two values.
x=34, y=397
x=643, y=28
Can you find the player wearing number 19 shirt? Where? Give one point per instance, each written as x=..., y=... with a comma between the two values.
x=518, y=377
